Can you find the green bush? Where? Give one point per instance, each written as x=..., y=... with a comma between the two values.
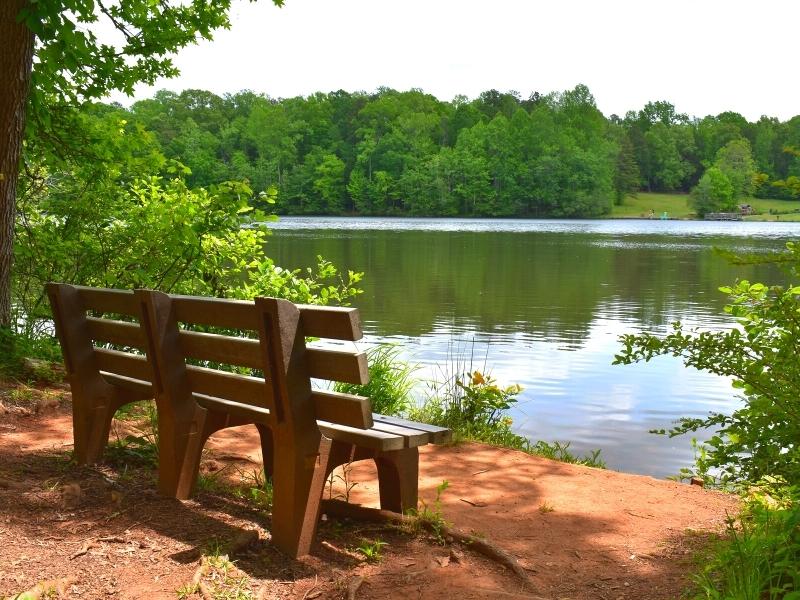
x=390, y=381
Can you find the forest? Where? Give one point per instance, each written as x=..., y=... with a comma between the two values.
x=499, y=155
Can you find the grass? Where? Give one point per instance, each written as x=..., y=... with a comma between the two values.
x=677, y=207
x=758, y=558
x=390, y=381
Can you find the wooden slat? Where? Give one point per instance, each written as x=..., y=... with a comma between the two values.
x=337, y=365
x=108, y=301
x=143, y=388
x=116, y=332
x=368, y=438
x=331, y=322
x=229, y=386
x=343, y=409
x=218, y=312
x=123, y=363
x=251, y=414
x=221, y=349
x=436, y=435
x=411, y=437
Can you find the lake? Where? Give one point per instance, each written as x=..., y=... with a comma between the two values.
x=542, y=303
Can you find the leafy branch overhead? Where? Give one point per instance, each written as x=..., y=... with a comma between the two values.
x=759, y=438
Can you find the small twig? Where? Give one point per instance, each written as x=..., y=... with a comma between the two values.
x=630, y=512
x=112, y=538
x=311, y=589
x=86, y=547
x=477, y=504
x=479, y=472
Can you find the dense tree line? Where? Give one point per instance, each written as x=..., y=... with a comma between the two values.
x=396, y=152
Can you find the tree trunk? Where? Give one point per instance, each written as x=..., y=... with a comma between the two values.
x=16, y=56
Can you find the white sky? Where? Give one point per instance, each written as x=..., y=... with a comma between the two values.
x=704, y=56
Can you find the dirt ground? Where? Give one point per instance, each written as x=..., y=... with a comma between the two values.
x=103, y=532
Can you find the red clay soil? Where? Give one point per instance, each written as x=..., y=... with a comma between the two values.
x=579, y=532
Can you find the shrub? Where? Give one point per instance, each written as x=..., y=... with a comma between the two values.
x=390, y=381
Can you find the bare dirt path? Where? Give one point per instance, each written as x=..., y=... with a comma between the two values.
x=579, y=532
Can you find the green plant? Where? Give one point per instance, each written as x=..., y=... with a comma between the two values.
x=471, y=404
x=343, y=475
x=560, y=451
x=141, y=448
x=371, y=549
x=432, y=518
x=759, y=556
x=390, y=381
x=255, y=487
x=545, y=507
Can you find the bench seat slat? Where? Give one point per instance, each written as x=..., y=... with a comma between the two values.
x=337, y=365
x=120, y=302
x=437, y=435
x=230, y=386
x=116, y=332
x=369, y=438
x=221, y=348
x=123, y=363
x=411, y=437
x=344, y=409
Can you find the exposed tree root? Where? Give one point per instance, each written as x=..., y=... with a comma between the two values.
x=46, y=589
x=337, y=508
x=352, y=589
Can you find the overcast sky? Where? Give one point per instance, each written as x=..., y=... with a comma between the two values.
x=704, y=56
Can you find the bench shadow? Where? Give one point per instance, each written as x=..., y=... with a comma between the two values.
x=574, y=550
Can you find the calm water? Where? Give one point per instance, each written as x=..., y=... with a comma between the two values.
x=543, y=303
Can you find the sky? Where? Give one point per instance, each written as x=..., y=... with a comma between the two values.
x=704, y=56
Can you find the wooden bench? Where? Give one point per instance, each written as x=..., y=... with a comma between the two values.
x=124, y=346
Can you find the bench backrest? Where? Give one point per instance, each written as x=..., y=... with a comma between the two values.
x=157, y=350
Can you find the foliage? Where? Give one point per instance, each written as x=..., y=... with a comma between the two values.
x=73, y=65
x=714, y=193
x=759, y=557
x=390, y=381
x=113, y=223
x=432, y=517
x=560, y=451
x=371, y=549
x=471, y=404
x=255, y=487
x=759, y=438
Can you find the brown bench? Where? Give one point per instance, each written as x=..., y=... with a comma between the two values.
x=124, y=346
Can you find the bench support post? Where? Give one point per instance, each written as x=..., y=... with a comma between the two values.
x=181, y=422
x=94, y=401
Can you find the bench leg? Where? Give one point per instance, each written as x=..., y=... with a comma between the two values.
x=90, y=429
x=298, y=481
x=398, y=473
x=267, y=450
x=398, y=479
x=179, y=448
x=91, y=421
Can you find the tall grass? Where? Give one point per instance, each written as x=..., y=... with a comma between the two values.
x=390, y=381
x=759, y=556
x=465, y=398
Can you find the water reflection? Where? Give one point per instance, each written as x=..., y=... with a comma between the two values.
x=544, y=303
